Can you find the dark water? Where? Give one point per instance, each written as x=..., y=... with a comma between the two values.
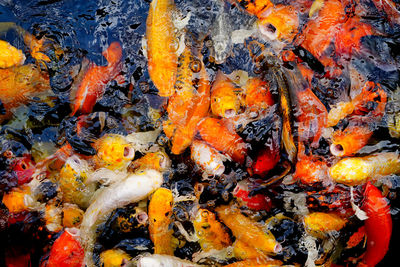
x=85, y=29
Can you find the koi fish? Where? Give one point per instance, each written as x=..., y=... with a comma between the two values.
x=158, y=161
x=24, y=168
x=348, y=38
x=10, y=56
x=312, y=117
x=279, y=22
x=370, y=92
x=319, y=224
x=185, y=134
x=378, y=226
x=72, y=182
x=358, y=170
x=310, y=169
x=209, y=159
x=266, y=160
x=243, y=251
x=225, y=97
x=160, y=211
x=350, y=140
x=114, y=257
x=256, y=202
x=72, y=215
x=66, y=250
x=15, y=199
x=130, y=190
x=210, y=232
x=19, y=85
x=95, y=80
x=320, y=31
x=244, y=229
x=257, y=94
x=162, y=59
x=215, y=133
x=113, y=152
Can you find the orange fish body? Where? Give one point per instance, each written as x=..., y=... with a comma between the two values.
x=160, y=211
x=258, y=94
x=256, y=7
x=162, y=59
x=312, y=118
x=310, y=169
x=215, y=133
x=349, y=141
x=348, y=38
x=66, y=252
x=96, y=78
x=320, y=31
x=18, y=85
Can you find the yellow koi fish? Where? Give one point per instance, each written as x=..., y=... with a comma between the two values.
x=160, y=211
x=210, y=232
x=319, y=224
x=10, y=56
x=162, y=59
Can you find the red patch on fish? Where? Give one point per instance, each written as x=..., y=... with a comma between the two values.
x=256, y=202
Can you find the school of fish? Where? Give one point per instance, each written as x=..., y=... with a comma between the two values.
x=286, y=164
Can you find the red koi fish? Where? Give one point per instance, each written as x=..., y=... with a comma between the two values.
x=378, y=226
x=66, y=251
x=266, y=160
x=24, y=167
x=218, y=135
x=96, y=78
x=256, y=202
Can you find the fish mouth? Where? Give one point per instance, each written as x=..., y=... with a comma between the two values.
x=337, y=150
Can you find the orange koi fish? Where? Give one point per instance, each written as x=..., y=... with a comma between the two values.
x=184, y=135
x=319, y=224
x=321, y=30
x=350, y=140
x=378, y=226
x=162, y=59
x=348, y=38
x=211, y=233
x=18, y=85
x=160, y=211
x=66, y=250
x=312, y=117
x=225, y=97
x=309, y=168
x=244, y=229
x=258, y=94
x=279, y=22
x=371, y=92
x=215, y=133
x=96, y=79
x=10, y=56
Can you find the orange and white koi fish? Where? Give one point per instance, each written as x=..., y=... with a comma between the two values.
x=10, y=56
x=218, y=135
x=20, y=84
x=66, y=250
x=244, y=229
x=95, y=80
x=350, y=140
x=210, y=232
x=162, y=58
x=225, y=97
x=207, y=158
x=153, y=160
x=160, y=212
x=358, y=170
